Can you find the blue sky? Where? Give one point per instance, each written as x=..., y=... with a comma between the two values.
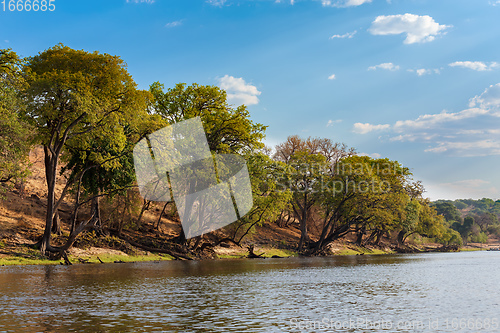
x=413, y=80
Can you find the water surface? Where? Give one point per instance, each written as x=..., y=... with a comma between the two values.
x=442, y=292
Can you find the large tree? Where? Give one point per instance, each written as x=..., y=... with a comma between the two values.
x=363, y=194
x=74, y=96
x=14, y=132
x=269, y=199
x=228, y=129
x=311, y=163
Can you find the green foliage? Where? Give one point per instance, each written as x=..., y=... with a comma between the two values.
x=15, y=137
x=228, y=129
x=84, y=106
x=268, y=198
x=448, y=210
x=482, y=216
x=494, y=230
x=480, y=237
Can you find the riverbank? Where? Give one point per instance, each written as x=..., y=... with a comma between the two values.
x=25, y=255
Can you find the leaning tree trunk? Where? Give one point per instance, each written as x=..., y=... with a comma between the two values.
x=56, y=224
x=50, y=177
x=96, y=222
x=401, y=237
x=304, y=238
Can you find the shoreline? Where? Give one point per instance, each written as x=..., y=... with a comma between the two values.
x=25, y=256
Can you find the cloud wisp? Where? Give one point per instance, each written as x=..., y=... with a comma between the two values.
x=344, y=3
x=470, y=132
x=418, y=29
x=346, y=35
x=475, y=65
x=238, y=91
x=364, y=128
x=386, y=65
x=173, y=24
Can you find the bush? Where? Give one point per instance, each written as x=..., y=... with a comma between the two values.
x=494, y=230
x=479, y=238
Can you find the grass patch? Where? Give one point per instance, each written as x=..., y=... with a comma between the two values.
x=348, y=251
x=266, y=253
x=111, y=258
x=17, y=260
x=29, y=256
x=471, y=249
x=231, y=256
x=278, y=252
x=26, y=256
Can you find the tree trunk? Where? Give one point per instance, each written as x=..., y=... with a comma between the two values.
x=380, y=233
x=401, y=237
x=359, y=238
x=95, y=211
x=145, y=207
x=304, y=238
x=56, y=224
x=157, y=227
x=50, y=177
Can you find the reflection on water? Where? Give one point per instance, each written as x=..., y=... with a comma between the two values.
x=392, y=293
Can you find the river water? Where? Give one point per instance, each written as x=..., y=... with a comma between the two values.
x=441, y=292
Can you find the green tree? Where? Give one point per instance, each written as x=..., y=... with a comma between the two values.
x=71, y=96
x=229, y=130
x=365, y=194
x=269, y=198
x=448, y=210
x=103, y=168
x=310, y=164
x=15, y=140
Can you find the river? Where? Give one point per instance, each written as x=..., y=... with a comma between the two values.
x=434, y=292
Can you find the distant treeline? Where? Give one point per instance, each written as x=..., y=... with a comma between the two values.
x=475, y=220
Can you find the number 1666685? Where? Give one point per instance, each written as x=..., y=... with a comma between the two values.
x=28, y=5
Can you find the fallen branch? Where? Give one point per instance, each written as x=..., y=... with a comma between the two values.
x=176, y=255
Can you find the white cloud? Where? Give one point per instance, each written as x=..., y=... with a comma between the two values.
x=474, y=65
x=332, y=77
x=418, y=29
x=173, y=24
x=424, y=71
x=427, y=121
x=141, y=1
x=332, y=122
x=346, y=35
x=216, y=2
x=469, y=188
x=386, y=65
x=367, y=128
x=374, y=155
x=485, y=147
x=343, y=3
x=495, y=3
x=490, y=98
x=471, y=132
x=238, y=91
